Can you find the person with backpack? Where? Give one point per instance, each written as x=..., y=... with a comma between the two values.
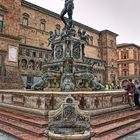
x=130, y=92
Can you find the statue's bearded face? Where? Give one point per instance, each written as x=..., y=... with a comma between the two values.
x=67, y=80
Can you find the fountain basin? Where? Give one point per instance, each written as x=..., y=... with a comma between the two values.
x=85, y=136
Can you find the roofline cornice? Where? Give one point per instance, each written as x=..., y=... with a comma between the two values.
x=127, y=45
x=57, y=16
x=108, y=31
x=34, y=47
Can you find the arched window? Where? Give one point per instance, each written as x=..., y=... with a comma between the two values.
x=25, y=19
x=58, y=26
x=42, y=24
x=31, y=65
x=24, y=64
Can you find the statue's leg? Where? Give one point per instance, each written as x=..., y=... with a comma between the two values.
x=70, y=18
x=64, y=11
x=70, y=12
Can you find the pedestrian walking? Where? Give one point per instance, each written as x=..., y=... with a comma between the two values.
x=137, y=95
x=130, y=92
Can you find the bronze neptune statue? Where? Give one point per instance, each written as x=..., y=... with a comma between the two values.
x=68, y=8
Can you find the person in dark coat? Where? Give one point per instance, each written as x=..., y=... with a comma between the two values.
x=137, y=95
x=130, y=92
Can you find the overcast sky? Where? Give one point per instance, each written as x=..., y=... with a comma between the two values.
x=119, y=16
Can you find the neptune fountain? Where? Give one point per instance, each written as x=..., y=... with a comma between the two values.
x=67, y=69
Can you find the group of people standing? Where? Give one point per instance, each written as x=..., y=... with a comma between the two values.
x=133, y=92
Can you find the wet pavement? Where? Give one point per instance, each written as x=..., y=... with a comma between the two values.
x=132, y=136
x=5, y=136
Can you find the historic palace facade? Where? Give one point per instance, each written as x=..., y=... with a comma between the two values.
x=24, y=31
x=128, y=62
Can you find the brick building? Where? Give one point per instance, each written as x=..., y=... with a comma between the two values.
x=24, y=29
x=128, y=63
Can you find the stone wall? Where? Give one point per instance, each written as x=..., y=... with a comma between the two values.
x=9, y=43
x=108, y=41
x=10, y=78
x=15, y=34
x=11, y=16
x=39, y=103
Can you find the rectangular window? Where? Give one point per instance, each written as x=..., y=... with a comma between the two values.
x=42, y=26
x=1, y=23
x=111, y=43
x=125, y=74
x=40, y=54
x=25, y=21
x=127, y=52
x=34, y=54
x=20, y=51
x=122, y=54
x=27, y=52
x=0, y=59
x=135, y=71
x=0, y=64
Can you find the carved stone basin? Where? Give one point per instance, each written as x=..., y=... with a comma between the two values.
x=69, y=122
x=84, y=136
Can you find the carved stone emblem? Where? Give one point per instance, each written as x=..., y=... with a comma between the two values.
x=69, y=122
x=59, y=52
x=76, y=51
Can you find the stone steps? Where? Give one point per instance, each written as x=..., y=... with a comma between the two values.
x=106, y=127
x=39, y=122
x=110, y=118
x=119, y=133
x=23, y=127
x=113, y=126
x=20, y=134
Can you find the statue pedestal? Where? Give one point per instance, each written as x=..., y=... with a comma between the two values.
x=66, y=68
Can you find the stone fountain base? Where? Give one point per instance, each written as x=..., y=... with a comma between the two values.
x=36, y=103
